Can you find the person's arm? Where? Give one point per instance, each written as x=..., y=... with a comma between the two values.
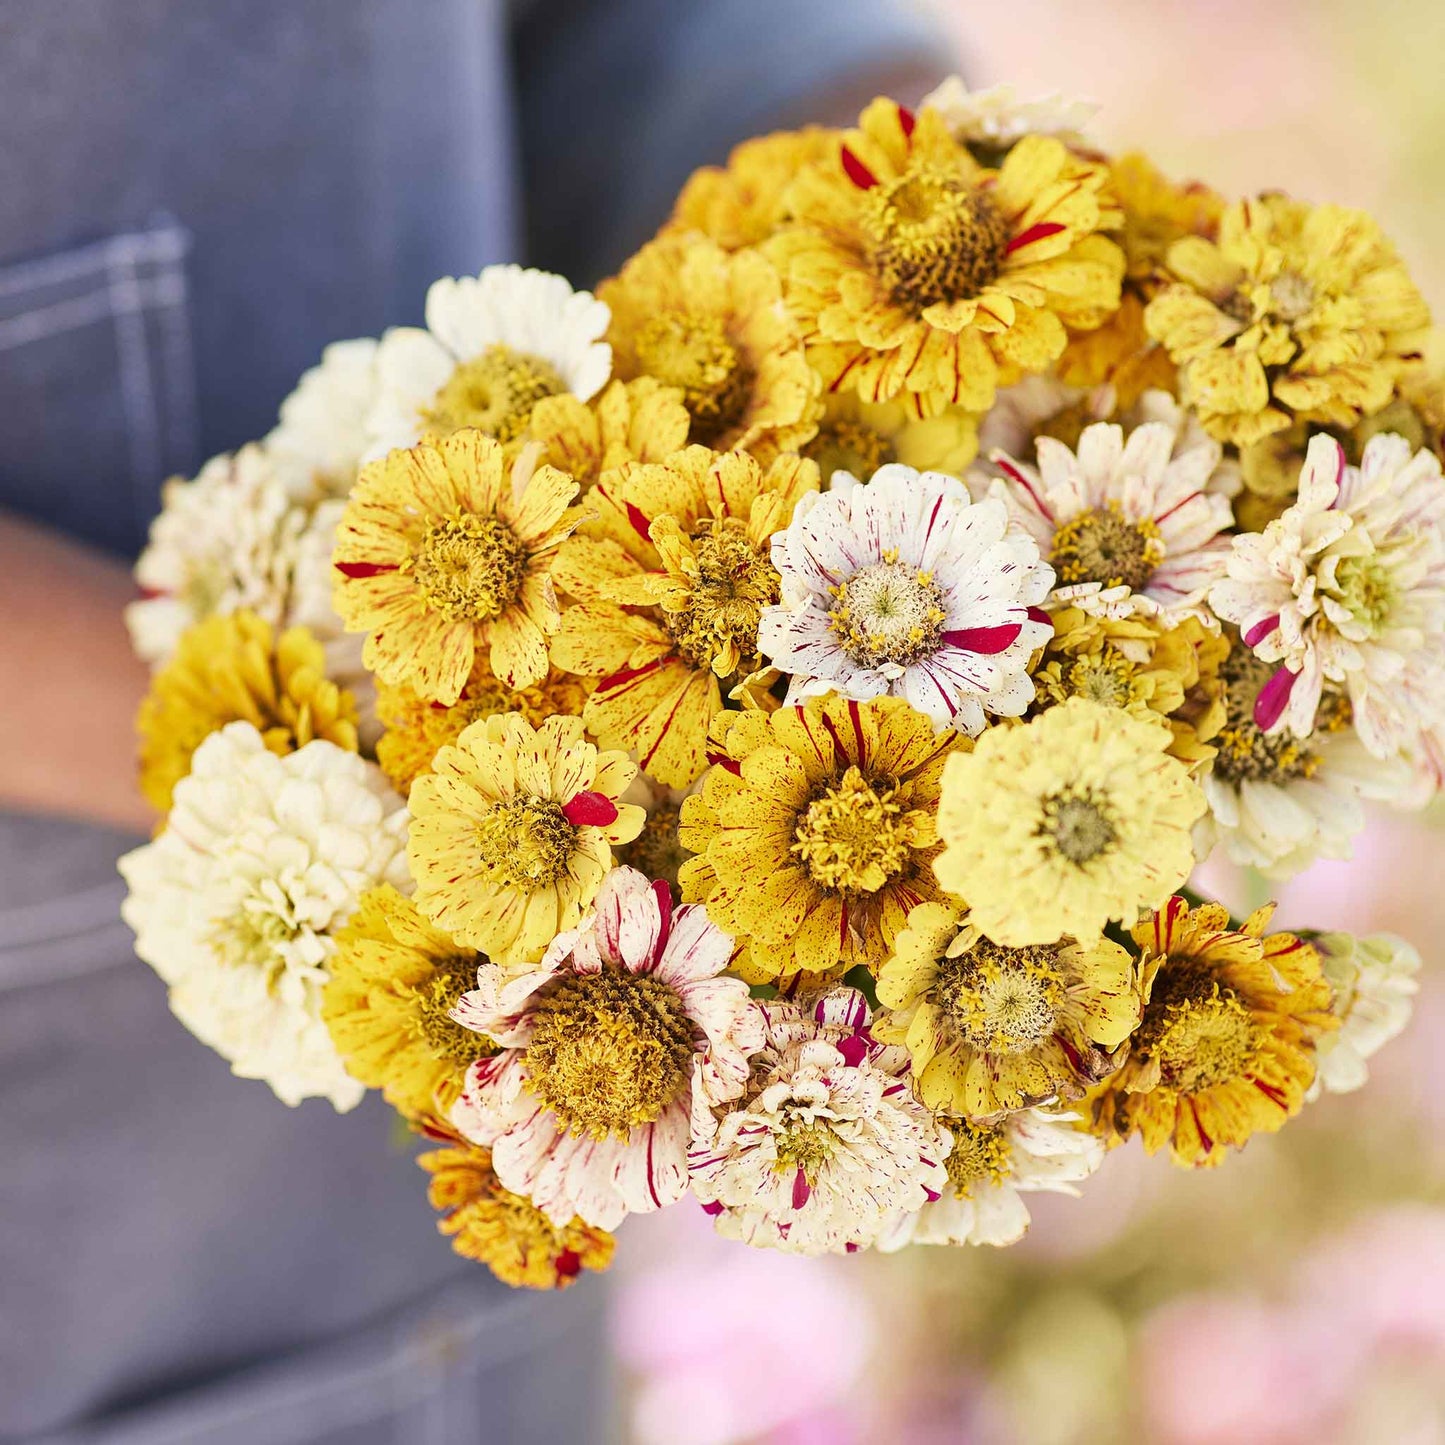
x=619, y=100
x=71, y=683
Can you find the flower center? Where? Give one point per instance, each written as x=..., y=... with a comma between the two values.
x=1067, y=424
x=1001, y=1000
x=1102, y=545
x=1079, y=825
x=804, y=1148
x=855, y=836
x=932, y=238
x=1367, y=588
x=1200, y=1031
x=259, y=932
x=1106, y=677
x=609, y=1051
x=495, y=392
x=728, y=581
x=203, y=586
x=1245, y=754
x=1291, y=296
x=849, y=446
x=433, y=1002
x=887, y=615
x=468, y=568
x=528, y=840
x=695, y=354
x=656, y=851
x=981, y=1154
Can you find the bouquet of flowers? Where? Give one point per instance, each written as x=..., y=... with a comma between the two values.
x=748, y=733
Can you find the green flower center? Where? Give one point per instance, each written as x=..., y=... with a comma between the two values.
x=1367, y=588
x=494, y=392
x=1079, y=824
x=887, y=613
x=932, y=238
x=609, y=1051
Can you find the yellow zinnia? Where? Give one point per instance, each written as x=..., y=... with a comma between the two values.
x=391, y=986
x=440, y=553
x=816, y=831
x=916, y=273
x=742, y=203
x=512, y=833
x=669, y=591
x=858, y=437
x=1054, y=828
x=416, y=727
x=710, y=322
x=1226, y=1048
x=1142, y=664
x=628, y=421
x=1297, y=312
x=992, y=1029
x=504, y=1231
x=234, y=668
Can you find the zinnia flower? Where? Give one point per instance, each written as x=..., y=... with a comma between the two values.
x=1296, y=311
x=394, y=980
x=238, y=902
x=512, y=832
x=224, y=541
x=440, y=554
x=914, y=272
x=816, y=831
x=627, y=421
x=494, y=346
x=1374, y=980
x=603, y=1048
x=826, y=1144
x=669, y=596
x=1226, y=1048
x=504, y=1231
x=1054, y=828
x=1115, y=514
x=991, y=1029
x=902, y=587
x=859, y=437
x=229, y=669
x=1347, y=587
x=317, y=445
x=989, y=1167
x=710, y=322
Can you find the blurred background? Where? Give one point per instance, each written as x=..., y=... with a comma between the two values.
x=1298, y=1293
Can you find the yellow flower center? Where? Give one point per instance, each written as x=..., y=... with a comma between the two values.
x=1200, y=1031
x=887, y=613
x=1079, y=824
x=1105, y=677
x=656, y=851
x=1102, y=545
x=1000, y=1000
x=849, y=446
x=468, y=568
x=729, y=580
x=981, y=1154
x=432, y=1003
x=855, y=836
x=1366, y=587
x=495, y=392
x=932, y=239
x=609, y=1051
x=1245, y=753
x=803, y=1146
x=1291, y=296
x=253, y=934
x=695, y=354
x=528, y=840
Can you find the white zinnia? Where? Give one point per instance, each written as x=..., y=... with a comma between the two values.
x=1348, y=586
x=997, y=117
x=236, y=903
x=1374, y=982
x=827, y=1146
x=990, y=1167
x=316, y=446
x=904, y=587
x=224, y=541
x=534, y=315
x=1020, y=412
x=1130, y=525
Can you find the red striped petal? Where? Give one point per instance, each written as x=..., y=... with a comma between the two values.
x=1273, y=698
x=906, y=121
x=358, y=570
x=1037, y=232
x=1261, y=630
x=988, y=641
x=857, y=172
x=590, y=810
